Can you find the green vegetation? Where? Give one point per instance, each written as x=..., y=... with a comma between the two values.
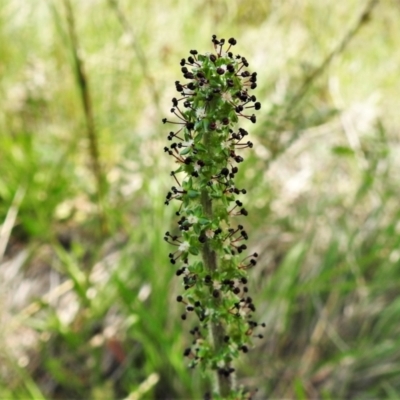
x=209, y=240
x=87, y=294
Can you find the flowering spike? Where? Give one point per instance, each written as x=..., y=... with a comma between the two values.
x=215, y=96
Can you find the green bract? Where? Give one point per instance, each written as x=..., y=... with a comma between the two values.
x=210, y=242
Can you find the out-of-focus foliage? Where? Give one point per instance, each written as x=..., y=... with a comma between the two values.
x=87, y=296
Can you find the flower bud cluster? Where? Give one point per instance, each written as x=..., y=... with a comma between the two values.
x=209, y=241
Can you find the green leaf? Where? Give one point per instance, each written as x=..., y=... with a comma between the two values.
x=194, y=250
x=342, y=151
x=196, y=268
x=193, y=194
x=200, y=147
x=186, y=150
x=205, y=122
x=233, y=117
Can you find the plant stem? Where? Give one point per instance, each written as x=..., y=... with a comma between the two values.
x=88, y=111
x=223, y=385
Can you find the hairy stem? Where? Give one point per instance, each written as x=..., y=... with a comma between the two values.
x=223, y=384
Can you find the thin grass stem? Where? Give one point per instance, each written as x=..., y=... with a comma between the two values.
x=91, y=132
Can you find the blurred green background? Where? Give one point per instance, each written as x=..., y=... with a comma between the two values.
x=87, y=295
